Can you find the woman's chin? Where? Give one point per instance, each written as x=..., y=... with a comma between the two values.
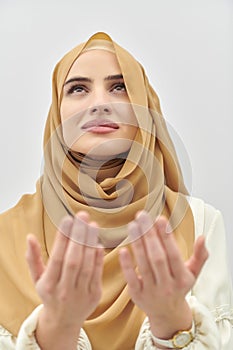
x=103, y=150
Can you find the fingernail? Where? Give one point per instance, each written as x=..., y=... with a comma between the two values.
x=145, y=222
x=133, y=229
x=164, y=226
x=66, y=225
x=168, y=229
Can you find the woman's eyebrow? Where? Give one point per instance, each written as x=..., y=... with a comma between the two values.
x=79, y=79
x=88, y=80
x=114, y=77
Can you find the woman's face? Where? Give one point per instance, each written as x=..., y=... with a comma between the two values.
x=97, y=117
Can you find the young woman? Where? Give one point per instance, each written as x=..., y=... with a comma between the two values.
x=120, y=257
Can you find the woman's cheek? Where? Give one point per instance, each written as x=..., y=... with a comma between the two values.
x=72, y=119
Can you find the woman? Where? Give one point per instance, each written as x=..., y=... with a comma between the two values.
x=118, y=256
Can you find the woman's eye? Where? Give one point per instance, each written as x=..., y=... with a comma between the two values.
x=77, y=89
x=118, y=87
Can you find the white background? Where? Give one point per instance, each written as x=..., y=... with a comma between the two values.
x=186, y=47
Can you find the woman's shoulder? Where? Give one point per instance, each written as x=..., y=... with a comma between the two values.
x=23, y=211
x=204, y=215
x=24, y=199
x=199, y=204
x=25, y=203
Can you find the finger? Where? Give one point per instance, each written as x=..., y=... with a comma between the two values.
x=79, y=229
x=199, y=257
x=96, y=280
x=73, y=255
x=34, y=258
x=176, y=263
x=89, y=256
x=55, y=262
x=140, y=252
x=154, y=249
x=92, y=235
x=127, y=266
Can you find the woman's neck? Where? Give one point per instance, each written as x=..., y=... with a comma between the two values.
x=98, y=168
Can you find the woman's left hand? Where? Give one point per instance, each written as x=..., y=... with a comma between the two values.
x=164, y=279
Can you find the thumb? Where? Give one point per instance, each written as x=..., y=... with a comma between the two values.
x=199, y=257
x=34, y=258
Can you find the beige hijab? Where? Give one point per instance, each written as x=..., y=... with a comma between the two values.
x=148, y=177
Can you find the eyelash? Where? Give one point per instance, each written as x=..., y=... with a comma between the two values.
x=121, y=85
x=72, y=89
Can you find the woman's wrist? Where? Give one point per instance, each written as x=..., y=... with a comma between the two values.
x=165, y=326
x=51, y=334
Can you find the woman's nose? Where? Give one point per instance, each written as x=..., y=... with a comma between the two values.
x=102, y=109
x=100, y=104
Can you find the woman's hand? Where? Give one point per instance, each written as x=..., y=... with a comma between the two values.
x=164, y=279
x=70, y=284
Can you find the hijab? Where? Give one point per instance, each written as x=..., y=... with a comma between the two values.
x=147, y=177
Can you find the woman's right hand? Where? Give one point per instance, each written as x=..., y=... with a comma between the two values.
x=70, y=285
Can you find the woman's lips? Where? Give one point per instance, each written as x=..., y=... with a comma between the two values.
x=100, y=126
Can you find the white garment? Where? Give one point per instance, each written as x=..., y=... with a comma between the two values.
x=211, y=299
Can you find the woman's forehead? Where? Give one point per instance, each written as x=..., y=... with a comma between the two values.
x=95, y=61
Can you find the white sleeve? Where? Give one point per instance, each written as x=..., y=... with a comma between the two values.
x=213, y=288
x=211, y=299
x=26, y=338
x=7, y=340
